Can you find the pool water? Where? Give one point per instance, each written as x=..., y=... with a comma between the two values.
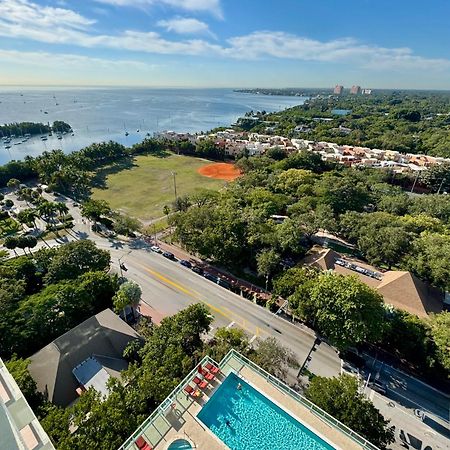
x=180, y=444
x=254, y=422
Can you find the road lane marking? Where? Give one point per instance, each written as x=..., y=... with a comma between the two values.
x=252, y=339
x=172, y=283
x=223, y=312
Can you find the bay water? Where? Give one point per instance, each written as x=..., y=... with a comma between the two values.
x=99, y=114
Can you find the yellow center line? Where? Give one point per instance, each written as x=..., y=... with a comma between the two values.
x=224, y=312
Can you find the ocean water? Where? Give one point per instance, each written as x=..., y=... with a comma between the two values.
x=247, y=420
x=102, y=114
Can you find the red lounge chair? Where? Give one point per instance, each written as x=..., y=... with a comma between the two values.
x=189, y=389
x=209, y=376
x=205, y=373
x=142, y=444
x=213, y=369
x=200, y=383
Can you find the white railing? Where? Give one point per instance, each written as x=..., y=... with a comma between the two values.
x=323, y=415
x=242, y=361
x=161, y=410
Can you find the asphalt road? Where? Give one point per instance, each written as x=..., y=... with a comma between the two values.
x=169, y=287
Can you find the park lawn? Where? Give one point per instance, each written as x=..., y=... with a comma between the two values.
x=142, y=190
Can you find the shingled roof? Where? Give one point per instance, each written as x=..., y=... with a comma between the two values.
x=104, y=336
x=401, y=289
x=405, y=291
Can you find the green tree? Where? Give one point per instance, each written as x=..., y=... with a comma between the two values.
x=76, y=258
x=129, y=294
x=18, y=368
x=340, y=397
x=126, y=225
x=343, y=308
x=440, y=332
x=274, y=357
x=226, y=339
x=94, y=209
x=13, y=183
x=429, y=259
x=267, y=262
x=286, y=284
x=11, y=243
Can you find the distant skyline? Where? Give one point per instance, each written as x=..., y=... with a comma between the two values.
x=226, y=43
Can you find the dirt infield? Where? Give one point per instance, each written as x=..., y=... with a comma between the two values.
x=220, y=171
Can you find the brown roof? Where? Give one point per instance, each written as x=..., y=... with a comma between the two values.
x=104, y=335
x=326, y=260
x=400, y=289
x=405, y=291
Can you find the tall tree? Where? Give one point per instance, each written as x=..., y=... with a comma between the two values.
x=76, y=258
x=340, y=397
x=343, y=308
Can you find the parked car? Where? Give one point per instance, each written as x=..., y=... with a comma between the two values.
x=210, y=277
x=377, y=386
x=223, y=283
x=169, y=255
x=185, y=263
x=197, y=269
x=155, y=248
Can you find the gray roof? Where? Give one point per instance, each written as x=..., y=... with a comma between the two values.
x=104, y=336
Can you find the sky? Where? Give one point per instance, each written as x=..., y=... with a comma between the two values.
x=226, y=43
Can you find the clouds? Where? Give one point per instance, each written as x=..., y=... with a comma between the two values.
x=25, y=19
x=212, y=7
x=26, y=13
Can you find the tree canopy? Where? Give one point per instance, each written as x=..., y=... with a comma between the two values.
x=340, y=397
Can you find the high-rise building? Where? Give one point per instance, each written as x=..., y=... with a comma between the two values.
x=338, y=89
x=367, y=91
x=355, y=90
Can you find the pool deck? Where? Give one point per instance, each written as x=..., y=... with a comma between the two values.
x=176, y=417
x=184, y=410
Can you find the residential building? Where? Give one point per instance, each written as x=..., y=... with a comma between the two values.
x=355, y=90
x=338, y=89
x=367, y=91
x=19, y=427
x=87, y=355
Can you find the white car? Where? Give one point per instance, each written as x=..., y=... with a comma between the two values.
x=155, y=248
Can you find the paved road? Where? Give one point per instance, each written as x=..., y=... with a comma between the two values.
x=169, y=287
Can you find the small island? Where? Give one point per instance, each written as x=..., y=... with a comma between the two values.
x=17, y=129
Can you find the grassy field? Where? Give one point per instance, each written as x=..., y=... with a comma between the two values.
x=143, y=188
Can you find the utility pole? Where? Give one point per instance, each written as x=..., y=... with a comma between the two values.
x=174, y=174
x=121, y=266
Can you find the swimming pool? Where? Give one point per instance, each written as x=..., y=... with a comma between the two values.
x=247, y=420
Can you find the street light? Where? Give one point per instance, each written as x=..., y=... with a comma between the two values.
x=305, y=364
x=121, y=265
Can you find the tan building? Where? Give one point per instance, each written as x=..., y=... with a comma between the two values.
x=338, y=89
x=401, y=289
x=355, y=90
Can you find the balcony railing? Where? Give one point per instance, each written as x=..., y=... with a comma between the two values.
x=233, y=355
x=156, y=426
